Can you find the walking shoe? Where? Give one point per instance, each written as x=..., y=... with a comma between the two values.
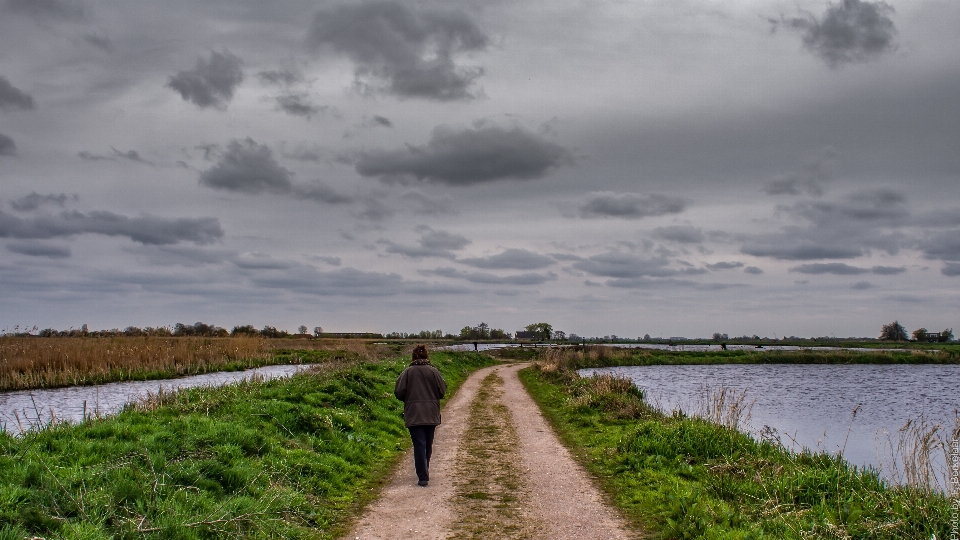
x=422, y=483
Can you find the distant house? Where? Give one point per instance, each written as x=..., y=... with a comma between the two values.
x=933, y=337
x=520, y=334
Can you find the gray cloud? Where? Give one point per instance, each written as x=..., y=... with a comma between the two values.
x=14, y=98
x=280, y=77
x=683, y=234
x=862, y=286
x=342, y=282
x=298, y=105
x=7, y=146
x=100, y=42
x=606, y=204
x=510, y=259
x=144, y=229
x=951, y=269
x=621, y=265
x=752, y=270
x=45, y=9
x=412, y=52
x=844, y=229
x=808, y=179
x=131, y=155
x=89, y=156
x=888, y=270
x=725, y=265
x=40, y=250
x=850, y=31
x=260, y=261
x=839, y=269
x=211, y=82
x=378, y=120
x=332, y=261
x=432, y=244
x=34, y=200
x=429, y=205
x=468, y=156
x=248, y=167
x=486, y=278
x=944, y=245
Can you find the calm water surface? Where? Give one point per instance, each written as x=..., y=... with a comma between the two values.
x=813, y=404
x=28, y=409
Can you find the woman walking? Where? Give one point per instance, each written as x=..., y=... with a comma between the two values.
x=420, y=388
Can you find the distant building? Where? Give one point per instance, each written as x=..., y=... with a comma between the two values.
x=678, y=338
x=521, y=334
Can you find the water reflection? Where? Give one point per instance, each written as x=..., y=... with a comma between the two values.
x=811, y=405
x=28, y=409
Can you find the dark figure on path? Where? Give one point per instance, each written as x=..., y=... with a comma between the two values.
x=475, y=348
x=723, y=346
x=420, y=388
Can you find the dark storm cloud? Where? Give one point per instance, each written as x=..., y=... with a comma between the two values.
x=7, y=146
x=298, y=105
x=683, y=234
x=843, y=229
x=850, y=31
x=411, y=51
x=725, y=265
x=248, y=167
x=211, y=82
x=808, y=179
x=280, y=77
x=12, y=97
x=510, y=259
x=35, y=200
x=144, y=229
x=45, y=9
x=629, y=205
x=40, y=250
x=468, y=156
x=486, y=278
x=432, y=244
x=839, y=269
x=752, y=270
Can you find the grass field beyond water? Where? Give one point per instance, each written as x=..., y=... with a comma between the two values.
x=683, y=477
x=289, y=458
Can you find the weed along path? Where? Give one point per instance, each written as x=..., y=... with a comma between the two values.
x=498, y=471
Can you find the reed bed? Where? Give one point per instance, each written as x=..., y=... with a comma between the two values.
x=54, y=362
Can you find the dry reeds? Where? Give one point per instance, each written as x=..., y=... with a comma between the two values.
x=52, y=362
x=726, y=407
x=913, y=455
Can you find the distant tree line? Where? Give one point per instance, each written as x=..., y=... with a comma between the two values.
x=198, y=329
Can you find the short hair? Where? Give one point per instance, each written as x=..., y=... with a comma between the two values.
x=420, y=352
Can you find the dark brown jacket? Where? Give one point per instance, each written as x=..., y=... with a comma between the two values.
x=420, y=388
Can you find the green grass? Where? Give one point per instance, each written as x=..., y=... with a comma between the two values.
x=681, y=477
x=290, y=458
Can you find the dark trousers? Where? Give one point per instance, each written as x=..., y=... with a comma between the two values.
x=422, y=437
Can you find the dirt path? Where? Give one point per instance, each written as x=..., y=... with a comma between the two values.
x=498, y=471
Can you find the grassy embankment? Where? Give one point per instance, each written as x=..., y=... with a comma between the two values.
x=686, y=477
x=54, y=362
x=289, y=458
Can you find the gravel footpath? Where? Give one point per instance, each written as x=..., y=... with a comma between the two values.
x=561, y=498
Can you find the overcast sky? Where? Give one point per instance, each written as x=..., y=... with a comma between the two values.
x=675, y=168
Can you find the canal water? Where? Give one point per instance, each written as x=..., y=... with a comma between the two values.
x=812, y=405
x=28, y=409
